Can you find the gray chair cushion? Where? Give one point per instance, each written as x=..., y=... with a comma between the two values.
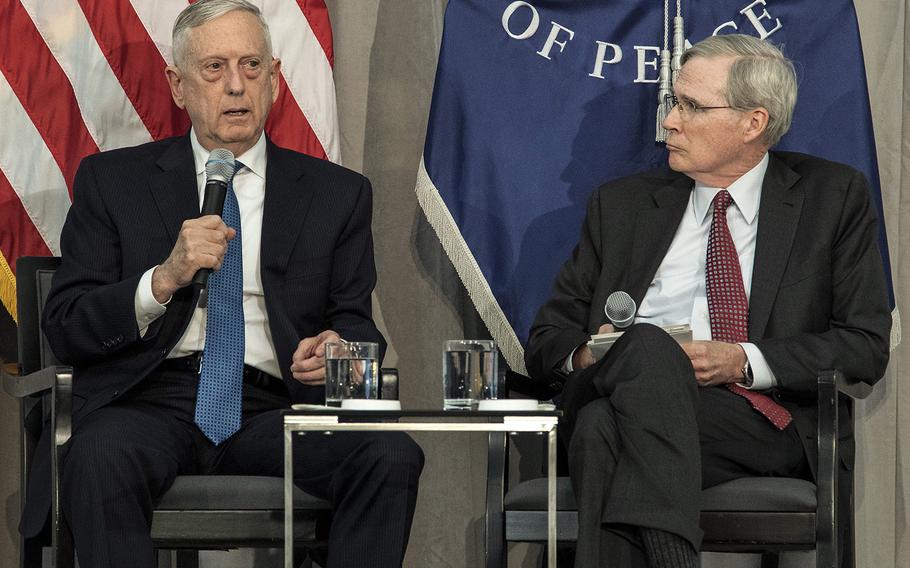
x=745, y=494
x=234, y=492
x=767, y=494
x=532, y=495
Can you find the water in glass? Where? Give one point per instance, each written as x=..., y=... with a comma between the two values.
x=467, y=366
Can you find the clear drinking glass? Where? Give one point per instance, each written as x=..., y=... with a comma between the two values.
x=351, y=371
x=468, y=366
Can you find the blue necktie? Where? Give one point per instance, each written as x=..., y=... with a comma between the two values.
x=218, y=399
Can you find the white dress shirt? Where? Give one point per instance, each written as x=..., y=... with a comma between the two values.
x=677, y=294
x=249, y=187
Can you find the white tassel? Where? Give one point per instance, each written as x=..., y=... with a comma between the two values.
x=663, y=93
x=679, y=46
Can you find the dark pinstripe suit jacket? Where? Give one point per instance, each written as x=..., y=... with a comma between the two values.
x=128, y=205
x=818, y=298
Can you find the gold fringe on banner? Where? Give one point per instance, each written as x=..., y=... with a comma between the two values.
x=8, y=288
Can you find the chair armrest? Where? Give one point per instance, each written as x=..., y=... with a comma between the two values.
x=854, y=388
x=62, y=406
x=61, y=401
x=831, y=383
x=55, y=380
x=37, y=383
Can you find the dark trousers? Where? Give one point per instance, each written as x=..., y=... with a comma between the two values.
x=644, y=439
x=124, y=456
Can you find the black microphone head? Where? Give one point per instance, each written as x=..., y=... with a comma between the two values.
x=220, y=165
x=620, y=309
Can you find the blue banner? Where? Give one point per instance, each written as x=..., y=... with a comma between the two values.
x=538, y=102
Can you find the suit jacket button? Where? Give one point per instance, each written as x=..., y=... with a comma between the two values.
x=115, y=394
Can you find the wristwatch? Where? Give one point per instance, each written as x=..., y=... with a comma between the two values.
x=748, y=379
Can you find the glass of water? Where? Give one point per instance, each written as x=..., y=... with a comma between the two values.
x=468, y=367
x=351, y=371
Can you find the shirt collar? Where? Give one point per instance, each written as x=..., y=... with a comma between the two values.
x=253, y=159
x=746, y=193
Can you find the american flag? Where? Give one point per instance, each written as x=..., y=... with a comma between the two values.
x=83, y=76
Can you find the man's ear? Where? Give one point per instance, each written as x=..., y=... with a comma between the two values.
x=175, y=81
x=274, y=71
x=756, y=125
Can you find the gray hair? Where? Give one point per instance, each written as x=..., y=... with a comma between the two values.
x=761, y=76
x=204, y=11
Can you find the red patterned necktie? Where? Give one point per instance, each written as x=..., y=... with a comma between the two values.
x=728, y=306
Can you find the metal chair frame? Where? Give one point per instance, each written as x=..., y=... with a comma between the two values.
x=44, y=388
x=767, y=532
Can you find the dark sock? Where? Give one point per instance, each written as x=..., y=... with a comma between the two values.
x=668, y=550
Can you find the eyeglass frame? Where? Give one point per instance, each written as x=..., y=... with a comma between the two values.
x=674, y=102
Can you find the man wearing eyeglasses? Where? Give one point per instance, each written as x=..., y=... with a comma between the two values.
x=769, y=256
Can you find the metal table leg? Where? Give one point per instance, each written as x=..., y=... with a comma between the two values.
x=551, y=499
x=288, y=499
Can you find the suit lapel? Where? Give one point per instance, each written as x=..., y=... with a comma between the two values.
x=174, y=188
x=778, y=216
x=654, y=230
x=287, y=201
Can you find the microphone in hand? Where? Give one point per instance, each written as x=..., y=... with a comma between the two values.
x=219, y=169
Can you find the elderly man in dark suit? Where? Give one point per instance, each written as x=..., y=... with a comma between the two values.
x=770, y=257
x=293, y=269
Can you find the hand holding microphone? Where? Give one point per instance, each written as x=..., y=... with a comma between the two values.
x=219, y=169
x=620, y=309
x=202, y=242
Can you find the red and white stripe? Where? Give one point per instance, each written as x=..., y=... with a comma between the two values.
x=79, y=76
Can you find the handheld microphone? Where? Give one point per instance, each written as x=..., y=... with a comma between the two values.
x=218, y=172
x=620, y=309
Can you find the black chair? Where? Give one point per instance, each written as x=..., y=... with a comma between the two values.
x=750, y=515
x=198, y=513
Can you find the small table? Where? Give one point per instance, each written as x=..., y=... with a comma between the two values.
x=335, y=420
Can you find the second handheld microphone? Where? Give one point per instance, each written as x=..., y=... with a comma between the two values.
x=620, y=309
